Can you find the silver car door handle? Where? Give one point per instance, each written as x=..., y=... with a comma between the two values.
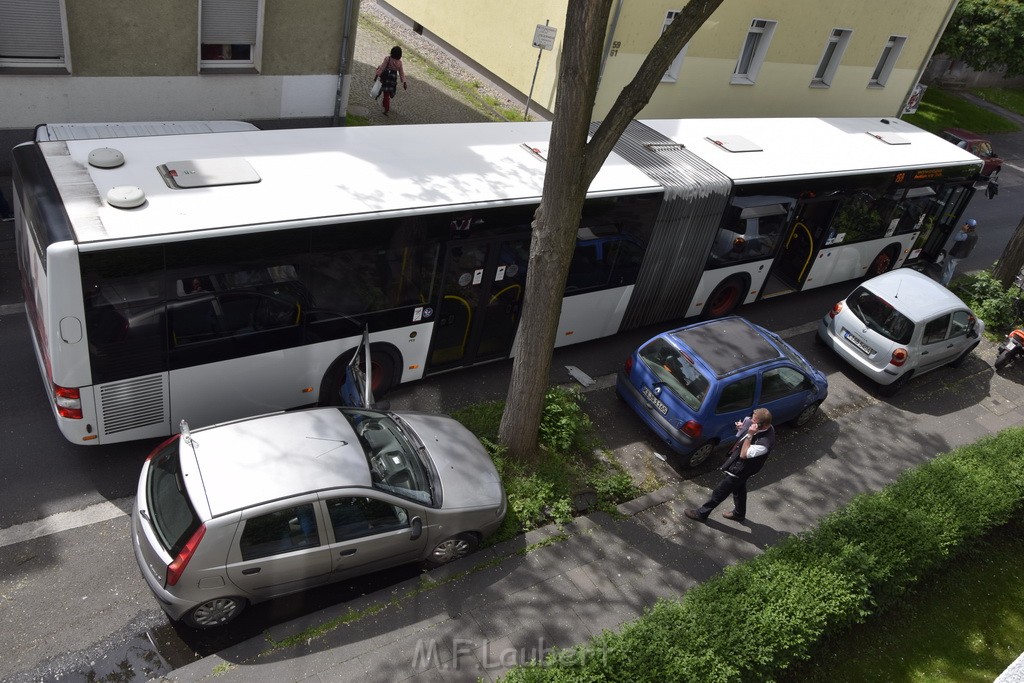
x=346, y=553
x=253, y=570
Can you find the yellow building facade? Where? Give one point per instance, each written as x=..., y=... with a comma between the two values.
x=751, y=58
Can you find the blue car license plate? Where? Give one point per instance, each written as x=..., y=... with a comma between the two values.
x=858, y=342
x=654, y=401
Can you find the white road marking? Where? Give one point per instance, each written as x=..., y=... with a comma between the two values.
x=63, y=521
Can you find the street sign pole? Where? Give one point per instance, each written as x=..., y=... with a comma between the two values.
x=543, y=39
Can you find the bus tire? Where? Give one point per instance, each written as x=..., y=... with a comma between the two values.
x=885, y=260
x=385, y=363
x=729, y=294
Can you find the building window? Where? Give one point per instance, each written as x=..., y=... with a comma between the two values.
x=755, y=47
x=829, y=64
x=33, y=34
x=890, y=53
x=230, y=34
x=672, y=75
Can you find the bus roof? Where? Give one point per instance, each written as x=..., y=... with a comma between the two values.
x=86, y=131
x=253, y=178
x=757, y=150
x=311, y=174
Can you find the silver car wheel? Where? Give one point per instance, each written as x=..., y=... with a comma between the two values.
x=215, y=612
x=453, y=549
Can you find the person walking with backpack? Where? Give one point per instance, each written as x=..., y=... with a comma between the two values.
x=390, y=72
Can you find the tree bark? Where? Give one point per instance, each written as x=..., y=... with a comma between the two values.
x=572, y=164
x=1012, y=258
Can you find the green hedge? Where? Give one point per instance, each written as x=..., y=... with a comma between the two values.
x=763, y=616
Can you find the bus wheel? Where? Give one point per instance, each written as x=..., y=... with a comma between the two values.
x=726, y=297
x=884, y=262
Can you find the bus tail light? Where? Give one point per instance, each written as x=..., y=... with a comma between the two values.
x=835, y=310
x=175, y=569
x=899, y=357
x=68, y=402
x=692, y=429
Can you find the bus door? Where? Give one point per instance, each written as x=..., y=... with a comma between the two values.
x=481, y=298
x=807, y=235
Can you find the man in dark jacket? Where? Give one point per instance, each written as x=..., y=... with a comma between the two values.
x=747, y=458
x=962, y=247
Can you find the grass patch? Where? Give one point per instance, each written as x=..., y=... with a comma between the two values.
x=971, y=634
x=570, y=468
x=1007, y=98
x=943, y=109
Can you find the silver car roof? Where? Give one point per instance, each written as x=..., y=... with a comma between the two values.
x=254, y=461
x=915, y=295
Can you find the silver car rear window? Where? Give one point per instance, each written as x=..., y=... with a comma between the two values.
x=881, y=316
x=170, y=510
x=676, y=371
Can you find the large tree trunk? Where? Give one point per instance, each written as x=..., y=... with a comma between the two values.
x=1012, y=259
x=554, y=226
x=571, y=166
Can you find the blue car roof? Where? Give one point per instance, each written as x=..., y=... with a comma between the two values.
x=727, y=345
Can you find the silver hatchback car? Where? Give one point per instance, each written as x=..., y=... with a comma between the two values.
x=900, y=325
x=250, y=510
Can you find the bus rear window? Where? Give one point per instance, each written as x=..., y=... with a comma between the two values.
x=172, y=514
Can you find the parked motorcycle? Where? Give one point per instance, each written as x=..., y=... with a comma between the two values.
x=1012, y=347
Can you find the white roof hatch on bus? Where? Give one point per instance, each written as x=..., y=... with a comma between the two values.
x=750, y=150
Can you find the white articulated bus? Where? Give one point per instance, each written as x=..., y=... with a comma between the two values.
x=219, y=275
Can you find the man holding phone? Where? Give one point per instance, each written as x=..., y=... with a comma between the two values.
x=747, y=457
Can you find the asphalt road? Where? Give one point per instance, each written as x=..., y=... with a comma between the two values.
x=74, y=605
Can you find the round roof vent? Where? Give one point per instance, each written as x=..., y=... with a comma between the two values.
x=126, y=196
x=105, y=157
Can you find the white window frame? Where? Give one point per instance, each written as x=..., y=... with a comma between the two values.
x=253, y=35
x=831, y=56
x=753, y=51
x=887, y=61
x=672, y=74
x=36, y=23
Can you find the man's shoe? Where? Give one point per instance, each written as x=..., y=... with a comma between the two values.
x=733, y=516
x=693, y=514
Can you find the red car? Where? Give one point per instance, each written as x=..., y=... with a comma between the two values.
x=976, y=145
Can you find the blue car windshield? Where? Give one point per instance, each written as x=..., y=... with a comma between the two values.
x=676, y=371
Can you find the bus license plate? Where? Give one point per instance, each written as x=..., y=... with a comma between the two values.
x=653, y=400
x=856, y=341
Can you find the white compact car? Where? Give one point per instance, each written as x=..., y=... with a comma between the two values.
x=900, y=325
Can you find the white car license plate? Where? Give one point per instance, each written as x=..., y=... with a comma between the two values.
x=857, y=342
x=654, y=401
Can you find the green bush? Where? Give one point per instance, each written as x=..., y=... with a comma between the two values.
x=762, y=617
x=543, y=492
x=987, y=298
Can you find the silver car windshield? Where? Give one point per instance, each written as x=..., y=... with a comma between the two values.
x=394, y=458
x=881, y=316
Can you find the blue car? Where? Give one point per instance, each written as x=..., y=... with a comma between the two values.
x=691, y=385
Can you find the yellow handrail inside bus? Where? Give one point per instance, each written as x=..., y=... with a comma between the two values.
x=512, y=286
x=469, y=319
x=810, y=250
